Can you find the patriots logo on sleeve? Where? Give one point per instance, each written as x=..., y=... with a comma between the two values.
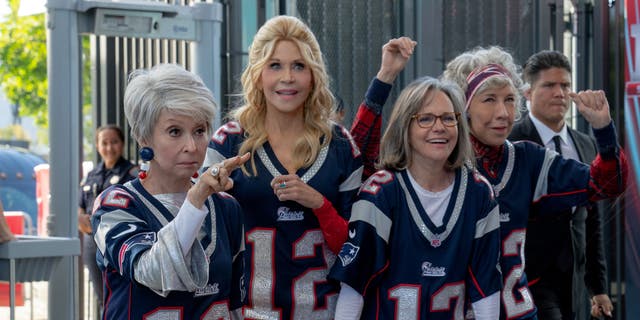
x=145, y=238
x=348, y=253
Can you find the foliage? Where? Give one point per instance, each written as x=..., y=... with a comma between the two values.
x=23, y=72
x=13, y=132
x=88, y=144
x=23, y=63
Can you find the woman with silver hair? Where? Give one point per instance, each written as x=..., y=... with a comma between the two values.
x=526, y=177
x=170, y=247
x=427, y=196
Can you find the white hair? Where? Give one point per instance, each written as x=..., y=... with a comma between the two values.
x=167, y=87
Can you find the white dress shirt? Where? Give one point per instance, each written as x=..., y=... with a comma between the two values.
x=546, y=134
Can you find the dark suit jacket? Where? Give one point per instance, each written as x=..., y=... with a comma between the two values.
x=550, y=248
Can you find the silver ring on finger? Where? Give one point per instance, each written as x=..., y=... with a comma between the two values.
x=283, y=184
x=215, y=171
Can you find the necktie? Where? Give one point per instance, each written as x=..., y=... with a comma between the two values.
x=556, y=142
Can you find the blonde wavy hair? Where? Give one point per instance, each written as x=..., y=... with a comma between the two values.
x=317, y=108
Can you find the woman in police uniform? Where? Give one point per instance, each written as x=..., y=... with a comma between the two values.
x=113, y=169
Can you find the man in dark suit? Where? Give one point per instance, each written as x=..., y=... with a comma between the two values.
x=563, y=252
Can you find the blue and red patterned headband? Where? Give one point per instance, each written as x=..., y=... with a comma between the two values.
x=480, y=75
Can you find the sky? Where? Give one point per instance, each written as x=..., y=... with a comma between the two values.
x=27, y=7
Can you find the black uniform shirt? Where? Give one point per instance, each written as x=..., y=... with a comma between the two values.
x=101, y=178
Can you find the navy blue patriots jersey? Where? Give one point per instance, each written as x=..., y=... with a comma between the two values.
x=206, y=284
x=405, y=266
x=287, y=257
x=530, y=176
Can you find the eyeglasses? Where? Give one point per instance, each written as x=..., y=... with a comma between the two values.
x=427, y=120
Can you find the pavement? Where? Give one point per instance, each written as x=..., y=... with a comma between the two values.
x=36, y=303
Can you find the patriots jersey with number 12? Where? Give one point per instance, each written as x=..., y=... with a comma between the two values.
x=405, y=266
x=529, y=175
x=287, y=257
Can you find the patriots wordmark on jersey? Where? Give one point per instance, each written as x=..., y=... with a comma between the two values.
x=404, y=265
x=147, y=276
x=287, y=257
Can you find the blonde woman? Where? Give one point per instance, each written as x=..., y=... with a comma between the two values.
x=298, y=186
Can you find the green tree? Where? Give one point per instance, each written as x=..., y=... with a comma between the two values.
x=23, y=72
x=23, y=63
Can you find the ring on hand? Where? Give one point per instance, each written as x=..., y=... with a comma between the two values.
x=283, y=184
x=215, y=170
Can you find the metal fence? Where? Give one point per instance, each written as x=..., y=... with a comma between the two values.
x=351, y=34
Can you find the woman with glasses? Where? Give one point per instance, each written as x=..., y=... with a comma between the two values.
x=423, y=234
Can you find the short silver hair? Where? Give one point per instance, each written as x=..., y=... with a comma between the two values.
x=167, y=87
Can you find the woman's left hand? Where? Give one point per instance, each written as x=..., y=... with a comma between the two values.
x=593, y=105
x=290, y=187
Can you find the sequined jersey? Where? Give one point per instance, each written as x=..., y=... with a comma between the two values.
x=287, y=257
x=208, y=284
x=405, y=266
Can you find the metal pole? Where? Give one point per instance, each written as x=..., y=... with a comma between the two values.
x=12, y=289
x=584, y=70
x=205, y=55
x=63, y=56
